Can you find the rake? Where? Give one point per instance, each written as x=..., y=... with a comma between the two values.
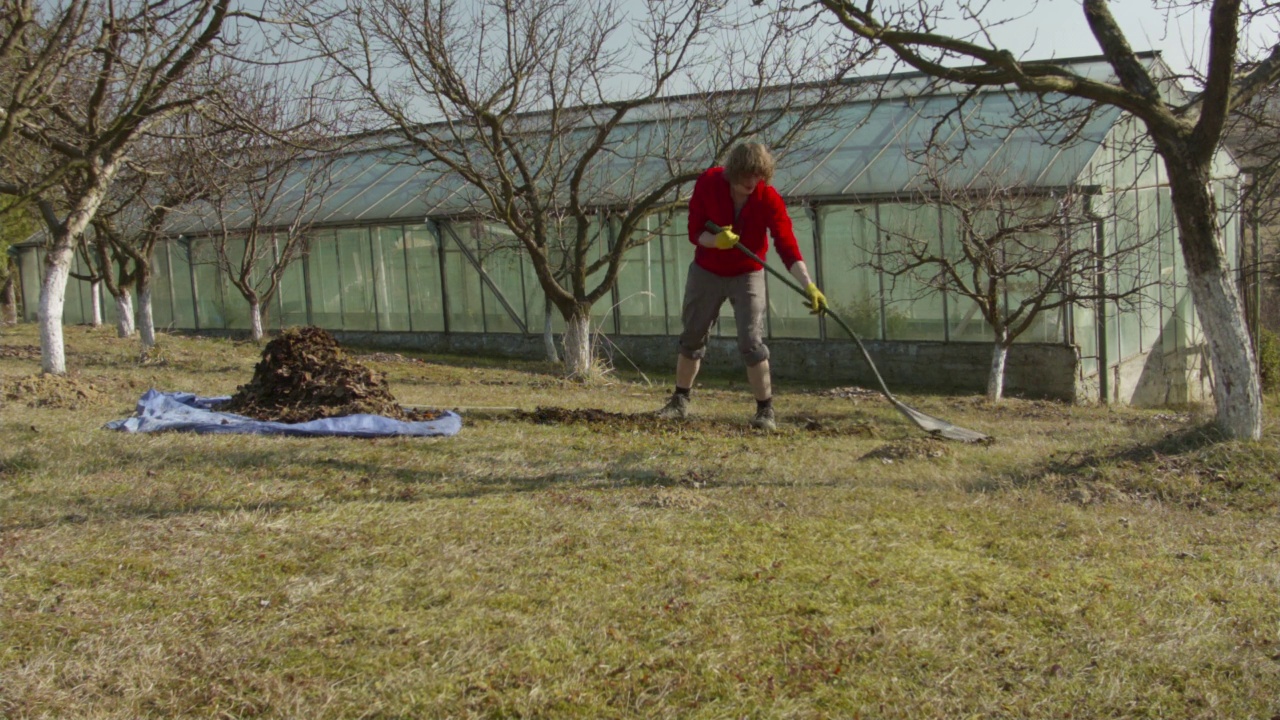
x=932, y=425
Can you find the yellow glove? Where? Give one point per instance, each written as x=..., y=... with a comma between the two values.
x=817, y=301
x=727, y=238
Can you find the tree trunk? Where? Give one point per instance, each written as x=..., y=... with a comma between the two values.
x=124, y=314
x=577, y=344
x=255, y=320
x=548, y=337
x=53, y=289
x=146, y=319
x=53, y=298
x=995, y=379
x=95, y=300
x=1237, y=390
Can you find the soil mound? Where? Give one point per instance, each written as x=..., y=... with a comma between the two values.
x=304, y=376
x=913, y=449
x=54, y=391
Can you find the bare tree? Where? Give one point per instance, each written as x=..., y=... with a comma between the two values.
x=264, y=177
x=163, y=174
x=552, y=111
x=1186, y=135
x=1016, y=255
x=108, y=73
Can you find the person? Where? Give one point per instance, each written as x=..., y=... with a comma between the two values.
x=738, y=198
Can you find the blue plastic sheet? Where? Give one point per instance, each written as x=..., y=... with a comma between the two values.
x=179, y=411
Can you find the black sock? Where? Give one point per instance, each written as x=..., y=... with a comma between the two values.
x=764, y=404
x=682, y=391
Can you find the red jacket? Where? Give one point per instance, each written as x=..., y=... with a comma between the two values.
x=763, y=211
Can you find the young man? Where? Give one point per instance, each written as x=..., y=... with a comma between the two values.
x=738, y=198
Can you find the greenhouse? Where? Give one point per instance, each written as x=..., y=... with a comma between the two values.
x=398, y=258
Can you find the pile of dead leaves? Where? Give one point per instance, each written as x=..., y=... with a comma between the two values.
x=304, y=376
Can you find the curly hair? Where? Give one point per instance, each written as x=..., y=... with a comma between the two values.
x=750, y=159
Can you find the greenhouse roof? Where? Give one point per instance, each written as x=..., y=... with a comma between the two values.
x=870, y=148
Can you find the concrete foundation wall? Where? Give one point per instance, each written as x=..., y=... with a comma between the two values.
x=1046, y=371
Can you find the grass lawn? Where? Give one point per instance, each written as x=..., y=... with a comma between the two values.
x=1090, y=563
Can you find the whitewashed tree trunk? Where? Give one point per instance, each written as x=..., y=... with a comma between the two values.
x=124, y=314
x=53, y=290
x=1237, y=388
x=548, y=337
x=146, y=319
x=53, y=298
x=577, y=345
x=255, y=319
x=995, y=378
x=95, y=300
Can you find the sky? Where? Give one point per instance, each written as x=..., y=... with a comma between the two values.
x=1057, y=28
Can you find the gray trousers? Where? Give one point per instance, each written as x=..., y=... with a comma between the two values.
x=704, y=294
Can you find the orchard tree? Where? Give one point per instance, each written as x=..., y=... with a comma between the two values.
x=1186, y=135
x=1015, y=255
x=85, y=81
x=549, y=113
x=266, y=177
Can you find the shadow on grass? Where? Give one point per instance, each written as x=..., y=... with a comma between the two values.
x=1195, y=467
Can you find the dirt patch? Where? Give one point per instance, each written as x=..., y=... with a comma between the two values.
x=303, y=375
x=384, y=357
x=787, y=426
x=20, y=352
x=849, y=392
x=913, y=449
x=66, y=392
x=677, y=499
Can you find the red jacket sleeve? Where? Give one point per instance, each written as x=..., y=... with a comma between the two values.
x=784, y=237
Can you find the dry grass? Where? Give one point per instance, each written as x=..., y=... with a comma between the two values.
x=1091, y=563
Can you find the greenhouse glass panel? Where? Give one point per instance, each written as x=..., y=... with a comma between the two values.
x=1086, y=334
x=291, y=298
x=422, y=267
x=393, y=287
x=1128, y=276
x=894, y=169
x=394, y=191
x=536, y=304
x=965, y=321
x=1046, y=326
x=161, y=288
x=29, y=264
x=500, y=254
x=462, y=283
x=640, y=288
x=913, y=310
x=1228, y=211
x=849, y=279
x=77, y=307
x=324, y=277
x=871, y=131
x=210, y=307
x=184, y=313
x=788, y=314
x=359, y=311
x=235, y=308
x=351, y=182
x=677, y=256
x=1149, y=263
x=502, y=264
x=602, y=311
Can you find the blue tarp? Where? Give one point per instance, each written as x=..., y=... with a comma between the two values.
x=160, y=411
